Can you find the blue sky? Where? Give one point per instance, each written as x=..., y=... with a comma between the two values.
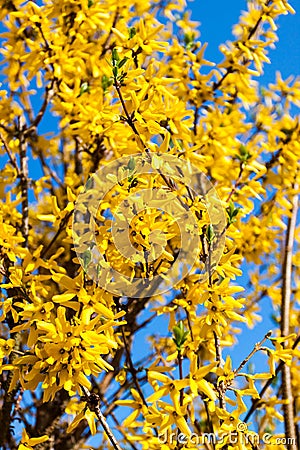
x=217, y=18
x=216, y=21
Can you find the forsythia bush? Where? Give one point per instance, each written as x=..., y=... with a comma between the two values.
x=123, y=331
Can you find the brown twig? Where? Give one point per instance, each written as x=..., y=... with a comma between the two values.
x=132, y=369
x=24, y=185
x=268, y=383
x=93, y=404
x=189, y=323
x=197, y=426
x=46, y=168
x=287, y=394
x=105, y=46
x=237, y=182
x=180, y=359
x=60, y=229
x=222, y=79
x=42, y=110
x=10, y=155
x=196, y=115
x=256, y=348
x=220, y=387
x=129, y=119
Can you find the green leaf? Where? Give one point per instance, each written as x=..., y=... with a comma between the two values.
x=106, y=82
x=189, y=40
x=115, y=57
x=180, y=335
x=232, y=212
x=131, y=164
x=132, y=32
x=89, y=183
x=115, y=71
x=87, y=257
x=84, y=88
x=210, y=234
x=122, y=62
x=244, y=154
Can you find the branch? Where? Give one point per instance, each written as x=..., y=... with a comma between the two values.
x=180, y=359
x=10, y=400
x=237, y=182
x=24, y=185
x=47, y=168
x=196, y=116
x=129, y=120
x=42, y=110
x=93, y=404
x=257, y=401
x=10, y=155
x=105, y=46
x=131, y=123
x=132, y=369
x=220, y=387
x=62, y=226
x=110, y=406
x=287, y=394
x=257, y=347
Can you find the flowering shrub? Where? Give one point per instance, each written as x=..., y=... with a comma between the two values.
x=138, y=183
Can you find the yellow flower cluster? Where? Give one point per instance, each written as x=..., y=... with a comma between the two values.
x=65, y=352
x=88, y=84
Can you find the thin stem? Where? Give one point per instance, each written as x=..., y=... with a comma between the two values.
x=93, y=404
x=105, y=45
x=237, y=183
x=24, y=187
x=196, y=116
x=169, y=182
x=189, y=324
x=256, y=348
x=180, y=358
x=286, y=385
x=209, y=266
x=17, y=352
x=132, y=368
x=225, y=75
x=197, y=425
x=61, y=228
x=129, y=360
x=209, y=421
x=10, y=155
x=120, y=428
x=128, y=117
x=268, y=383
x=218, y=348
x=46, y=168
x=220, y=387
x=42, y=110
